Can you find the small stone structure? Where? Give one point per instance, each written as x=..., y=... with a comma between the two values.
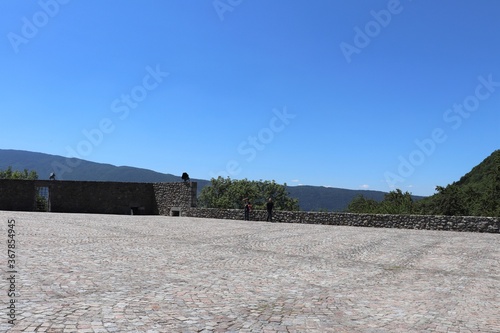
x=428, y=222
x=173, y=198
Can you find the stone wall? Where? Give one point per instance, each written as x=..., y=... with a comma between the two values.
x=428, y=222
x=173, y=198
x=99, y=197
x=17, y=194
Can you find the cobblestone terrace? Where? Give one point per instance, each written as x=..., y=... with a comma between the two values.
x=109, y=273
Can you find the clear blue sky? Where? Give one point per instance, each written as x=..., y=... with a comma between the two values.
x=350, y=94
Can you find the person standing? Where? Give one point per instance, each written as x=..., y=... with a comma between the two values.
x=269, y=206
x=248, y=209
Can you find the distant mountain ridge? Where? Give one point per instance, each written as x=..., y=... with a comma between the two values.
x=44, y=164
x=311, y=198
x=318, y=198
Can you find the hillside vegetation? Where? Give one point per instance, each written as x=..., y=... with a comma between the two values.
x=476, y=194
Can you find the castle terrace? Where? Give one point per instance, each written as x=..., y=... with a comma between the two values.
x=129, y=273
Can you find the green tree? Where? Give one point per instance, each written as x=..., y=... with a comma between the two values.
x=231, y=194
x=492, y=205
x=397, y=202
x=473, y=201
x=25, y=174
x=362, y=205
x=451, y=201
x=477, y=193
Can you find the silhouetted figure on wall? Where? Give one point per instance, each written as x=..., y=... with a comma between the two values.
x=185, y=177
x=52, y=176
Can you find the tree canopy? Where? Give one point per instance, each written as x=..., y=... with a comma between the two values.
x=25, y=174
x=477, y=193
x=395, y=202
x=228, y=193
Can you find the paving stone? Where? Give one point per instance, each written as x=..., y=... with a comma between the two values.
x=109, y=273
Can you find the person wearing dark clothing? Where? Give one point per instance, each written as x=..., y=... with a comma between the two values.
x=248, y=209
x=269, y=207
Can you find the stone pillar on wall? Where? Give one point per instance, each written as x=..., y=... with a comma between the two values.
x=173, y=198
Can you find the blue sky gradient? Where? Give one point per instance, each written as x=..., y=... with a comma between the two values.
x=353, y=94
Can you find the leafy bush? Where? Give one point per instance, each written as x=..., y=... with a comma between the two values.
x=228, y=194
x=25, y=174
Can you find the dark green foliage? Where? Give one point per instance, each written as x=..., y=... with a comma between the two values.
x=25, y=174
x=449, y=200
x=41, y=203
x=227, y=193
x=395, y=202
x=475, y=194
x=360, y=204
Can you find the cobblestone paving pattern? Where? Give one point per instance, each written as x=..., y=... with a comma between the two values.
x=108, y=273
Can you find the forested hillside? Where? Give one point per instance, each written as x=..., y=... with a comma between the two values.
x=477, y=193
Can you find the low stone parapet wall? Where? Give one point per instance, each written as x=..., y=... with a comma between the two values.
x=427, y=222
